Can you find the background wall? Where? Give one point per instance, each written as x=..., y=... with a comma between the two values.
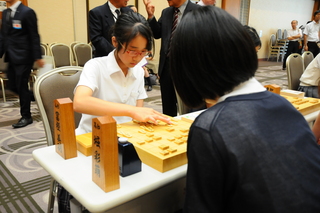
x=269, y=16
x=66, y=21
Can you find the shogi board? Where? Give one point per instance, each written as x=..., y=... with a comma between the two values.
x=304, y=105
x=162, y=147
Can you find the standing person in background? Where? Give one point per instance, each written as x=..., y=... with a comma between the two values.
x=293, y=35
x=311, y=34
x=252, y=151
x=163, y=29
x=133, y=8
x=101, y=19
x=20, y=42
x=206, y=2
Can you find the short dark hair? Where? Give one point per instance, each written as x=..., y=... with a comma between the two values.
x=316, y=12
x=128, y=26
x=212, y=53
x=254, y=35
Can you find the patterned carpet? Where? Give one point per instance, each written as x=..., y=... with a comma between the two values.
x=24, y=185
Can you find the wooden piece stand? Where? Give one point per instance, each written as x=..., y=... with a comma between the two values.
x=273, y=88
x=64, y=134
x=105, y=165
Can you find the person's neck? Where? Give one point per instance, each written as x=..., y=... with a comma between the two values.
x=9, y=4
x=181, y=3
x=122, y=66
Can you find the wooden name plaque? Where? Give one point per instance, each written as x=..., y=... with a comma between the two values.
x=64, y=128
x=105, y=163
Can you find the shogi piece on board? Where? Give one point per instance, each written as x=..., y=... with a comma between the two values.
x=129, y=161
x=162, y=146
x=292, y=93
x=304, y=105
x=273, y=88
x=105, y=164
x=64, y=128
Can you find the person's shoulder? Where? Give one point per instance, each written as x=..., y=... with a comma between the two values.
x=193, y=5
x=100, y=7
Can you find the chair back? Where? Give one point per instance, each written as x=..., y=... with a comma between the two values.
x=279, y=34
x=83, y=53
x=44, y=49
x=72, y=51
x=307, y=58
x=273, y=40
x=61, y=54
x=295, y=69
x=285, y=34
x=51, y=86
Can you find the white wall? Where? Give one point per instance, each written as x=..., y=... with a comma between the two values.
x=65, y=21
x=269, y=16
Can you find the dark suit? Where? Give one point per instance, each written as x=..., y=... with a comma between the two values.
x=20, y=42
x=100, y=21
x=162, y=29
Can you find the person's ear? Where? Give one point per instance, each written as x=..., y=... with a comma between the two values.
x=114, y=41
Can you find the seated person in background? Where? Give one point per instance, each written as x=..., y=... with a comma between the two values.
x=147, y=78
x=254, y=36
x=252, y=151
x=310, y=78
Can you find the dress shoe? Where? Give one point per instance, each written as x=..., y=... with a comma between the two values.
x=23, y=122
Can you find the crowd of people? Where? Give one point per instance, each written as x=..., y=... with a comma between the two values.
x=249, y=151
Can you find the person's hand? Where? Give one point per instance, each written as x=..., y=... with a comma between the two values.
x=144, y=114
x=149, y=8
x=40, y=62
x=305, y=47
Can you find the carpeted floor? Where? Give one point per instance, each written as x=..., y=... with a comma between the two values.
x=24, y=185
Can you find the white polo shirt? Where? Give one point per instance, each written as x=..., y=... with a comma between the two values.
x=108, y=82
x=311, y=75
x=312, y=31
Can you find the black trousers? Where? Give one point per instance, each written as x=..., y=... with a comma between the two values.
x=293, y=47
x=313, y=47
x=168, y=94
x=18, y=75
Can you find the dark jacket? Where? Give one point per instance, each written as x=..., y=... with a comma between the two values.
x=20, y=40
x=100, y=22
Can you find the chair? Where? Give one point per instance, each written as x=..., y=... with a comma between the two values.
x=3, y=77
x=44, y=49
x=274, y=48
x=82, y=53
x=72, y=50
x=307, y=57
x=295, y=69
x=48, y=87
x=61, y=54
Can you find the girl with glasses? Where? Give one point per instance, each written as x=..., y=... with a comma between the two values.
x=114, y=84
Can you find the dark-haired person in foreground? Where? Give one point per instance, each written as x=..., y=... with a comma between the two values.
x=251, y=151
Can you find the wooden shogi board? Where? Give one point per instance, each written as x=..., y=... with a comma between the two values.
x=162, y=147
x=304, y=105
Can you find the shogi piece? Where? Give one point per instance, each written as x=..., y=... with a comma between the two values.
x=304, y=105
x=129, y=161
x=64, y=128
x=273, y=88
x=105, y=163
x=84, y=143
x=162, y=147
